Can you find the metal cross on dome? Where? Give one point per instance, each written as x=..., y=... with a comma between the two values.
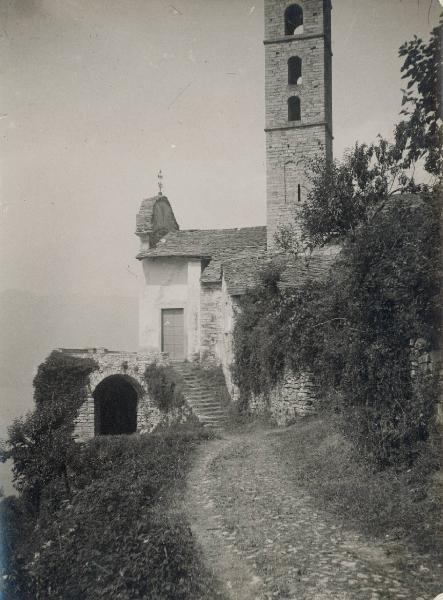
x=160, y=182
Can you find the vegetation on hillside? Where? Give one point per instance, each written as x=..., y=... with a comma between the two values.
x=96, y=520
x=118, y=536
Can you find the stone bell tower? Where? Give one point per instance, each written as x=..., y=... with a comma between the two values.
x=298, y=96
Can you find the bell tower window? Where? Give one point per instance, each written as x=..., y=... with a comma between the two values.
x=294, y=70
x=293, y=20
x=294, y=109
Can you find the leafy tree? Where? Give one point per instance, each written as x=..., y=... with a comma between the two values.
x=421, y=131
x=346, y=194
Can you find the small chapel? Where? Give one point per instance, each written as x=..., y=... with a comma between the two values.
x=193, y=279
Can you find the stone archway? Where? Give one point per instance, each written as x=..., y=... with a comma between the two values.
x=117, y=399
x=115, y=405
x=116, y=367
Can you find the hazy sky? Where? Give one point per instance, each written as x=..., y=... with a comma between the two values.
x=97, y=95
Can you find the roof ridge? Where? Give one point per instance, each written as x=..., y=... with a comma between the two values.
x=224, y=230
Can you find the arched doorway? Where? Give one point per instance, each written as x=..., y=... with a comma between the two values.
x=115, y=406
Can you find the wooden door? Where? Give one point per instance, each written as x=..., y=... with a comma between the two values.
x=173, y=333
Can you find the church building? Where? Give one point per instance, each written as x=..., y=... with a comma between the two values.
x=193, y=278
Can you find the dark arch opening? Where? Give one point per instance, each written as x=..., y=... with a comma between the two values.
x=294, y=70
x=115, y=406
x=293, y=20
x=294, y=109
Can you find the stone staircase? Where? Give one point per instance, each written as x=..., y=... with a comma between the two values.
x=201, y=396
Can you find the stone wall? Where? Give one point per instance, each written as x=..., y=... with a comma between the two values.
x=291, y=399
x=211, y=323
x=426, y=363
x=229, y=308
x=131, y=366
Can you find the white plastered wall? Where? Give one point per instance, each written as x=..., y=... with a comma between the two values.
x=170, y=282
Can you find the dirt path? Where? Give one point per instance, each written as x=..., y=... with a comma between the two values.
x=263, y=539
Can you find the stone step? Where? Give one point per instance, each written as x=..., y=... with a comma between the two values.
x=210, y=418
x=201, y=398
x=207, y=411
x=208, y=401
x=205, y=408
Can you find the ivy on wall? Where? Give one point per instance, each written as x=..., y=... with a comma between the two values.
x=40, y=444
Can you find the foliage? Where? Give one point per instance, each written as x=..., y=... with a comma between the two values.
x=117, y=537
x=62, y=376
x=40, y=444
x=258, y=358
x=421, y=132
x=344, y=195
x=353, y=330
x=164, y=387
x=17, y=522
x=287, y=238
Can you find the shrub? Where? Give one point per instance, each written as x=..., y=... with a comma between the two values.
x=164, y=387
x=121, y=535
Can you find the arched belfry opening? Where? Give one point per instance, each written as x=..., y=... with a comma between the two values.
x=294, y=71
x=293, y=20
x=115, y=406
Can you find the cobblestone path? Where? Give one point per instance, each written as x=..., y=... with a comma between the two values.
x=263, y=538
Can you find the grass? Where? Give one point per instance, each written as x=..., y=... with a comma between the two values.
x=122, y=535
x=402, y=506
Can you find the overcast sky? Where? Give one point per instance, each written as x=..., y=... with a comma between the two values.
x=97, y=95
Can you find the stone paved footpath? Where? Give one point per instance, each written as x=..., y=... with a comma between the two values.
x=263, y=538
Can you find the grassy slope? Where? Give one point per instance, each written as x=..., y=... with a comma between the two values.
x=122, y=535
x=400, y=506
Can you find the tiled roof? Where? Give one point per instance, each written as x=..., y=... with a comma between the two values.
x=144, y=216
x=243, y=273
x=313, y=267
x=239, y=254
x=216, y=245
x=144, y=219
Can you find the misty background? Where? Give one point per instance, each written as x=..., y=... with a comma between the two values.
x=96, y=97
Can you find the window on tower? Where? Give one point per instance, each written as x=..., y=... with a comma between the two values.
x=293, y=20
x=294, y=70
x=294, y=109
